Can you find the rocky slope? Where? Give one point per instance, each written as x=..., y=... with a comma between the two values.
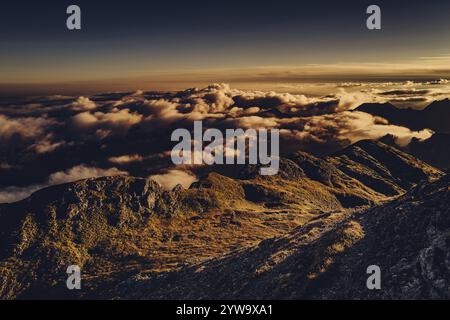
x=116, y=227
x=382, y=167
x=408, y=238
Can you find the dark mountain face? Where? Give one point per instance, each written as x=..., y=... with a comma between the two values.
x=436, y=116
x=407, y=238
x=403, y=117
x=435, y=150
x=380, y=109
x=116, y=227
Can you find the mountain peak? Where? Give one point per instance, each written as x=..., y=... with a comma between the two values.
x=377, y=107
x=386, y=168
x=445, y=103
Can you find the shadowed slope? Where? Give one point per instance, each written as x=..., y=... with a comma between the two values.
x=328, y=257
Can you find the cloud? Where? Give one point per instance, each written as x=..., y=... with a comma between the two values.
x=82, y=172
x=410, y=94
x=174, y=177
x=13, y=194
x=46, y=144
x=132, y=130
x=126, y=159
x=253, y=122
x=83, y=104
x=343, y=127
x=162, y=112
x=26, y=128
x=405, y=92
x=116, y=122
x=269, y=99
x=360, y=126
x=440, y=81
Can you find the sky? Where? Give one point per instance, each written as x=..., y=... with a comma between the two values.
x=175, y=44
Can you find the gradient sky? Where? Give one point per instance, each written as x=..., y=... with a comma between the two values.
x=181, y=41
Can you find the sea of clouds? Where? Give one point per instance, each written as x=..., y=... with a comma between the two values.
x=57, y=139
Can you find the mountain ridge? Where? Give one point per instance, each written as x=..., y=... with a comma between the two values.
x=327, y=259
x=115, y=227
x=435, y=116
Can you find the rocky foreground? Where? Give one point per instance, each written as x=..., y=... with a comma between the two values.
x=327, y=258
x=309, y=232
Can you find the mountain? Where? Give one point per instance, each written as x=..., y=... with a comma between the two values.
x=117, y=227
x=382, y=167
x=403, y=117
x=435, y=116
x=435, y=150
x=327, y=258
x=380, y=109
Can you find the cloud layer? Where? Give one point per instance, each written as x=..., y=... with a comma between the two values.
x=51, y=140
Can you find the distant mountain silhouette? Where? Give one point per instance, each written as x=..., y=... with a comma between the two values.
x=435, y=150
x=435, y=116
